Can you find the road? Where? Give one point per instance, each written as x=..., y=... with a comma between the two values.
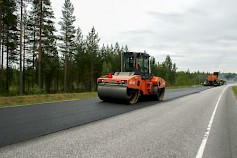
x=173, y=128
x=25, y=122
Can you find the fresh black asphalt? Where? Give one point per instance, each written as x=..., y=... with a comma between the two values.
x=26, y=122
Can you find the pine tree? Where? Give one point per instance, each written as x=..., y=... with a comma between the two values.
x=9, y=37
x=126, y=48
x=44, y=41
x=67, y=37
x=19, y=55
x=92, y=49
x=32, y=40
x=40, y=13
x=21, y=49
x=28, y=79
x=1, y=63
x=117, y=58
x=106, y=68
x=79, y=59
x=49, y=51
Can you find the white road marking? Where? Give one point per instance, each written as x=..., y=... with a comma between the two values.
x=204, y=141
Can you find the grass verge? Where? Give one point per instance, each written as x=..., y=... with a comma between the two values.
x=234, y=88
x=34, y=99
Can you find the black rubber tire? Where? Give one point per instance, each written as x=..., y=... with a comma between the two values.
x=134, y=95
x=159, y=96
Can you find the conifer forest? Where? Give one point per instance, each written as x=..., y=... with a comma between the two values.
x=37, y=58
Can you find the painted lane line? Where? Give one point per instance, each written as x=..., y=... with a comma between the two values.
x=204, y=141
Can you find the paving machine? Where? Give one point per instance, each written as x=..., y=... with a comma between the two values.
x=213, y=80
x=134, y=80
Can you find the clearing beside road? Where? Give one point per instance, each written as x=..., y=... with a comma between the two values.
x=34, y=99
x=234, y=88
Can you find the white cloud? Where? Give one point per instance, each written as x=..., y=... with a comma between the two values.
x=197, y=34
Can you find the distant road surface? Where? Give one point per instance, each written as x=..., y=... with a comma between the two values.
x=203, y=124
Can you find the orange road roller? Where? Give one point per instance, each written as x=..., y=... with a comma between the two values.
x=134, y=80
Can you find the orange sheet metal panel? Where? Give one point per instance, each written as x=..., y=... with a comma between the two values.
x=212, y=78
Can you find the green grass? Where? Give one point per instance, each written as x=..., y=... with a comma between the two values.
x=234, y=88
x=34, y=99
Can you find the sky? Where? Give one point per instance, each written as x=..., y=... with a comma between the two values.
x=199, y=35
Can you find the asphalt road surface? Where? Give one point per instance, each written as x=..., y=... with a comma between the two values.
x=180, y=127
x=25, y=122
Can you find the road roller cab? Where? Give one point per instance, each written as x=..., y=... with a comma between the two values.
x=134, y=80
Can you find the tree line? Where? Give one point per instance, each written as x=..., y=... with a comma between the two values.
x=35, y=58
x=168, y=70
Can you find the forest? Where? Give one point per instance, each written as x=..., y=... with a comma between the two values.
x=36, y=58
